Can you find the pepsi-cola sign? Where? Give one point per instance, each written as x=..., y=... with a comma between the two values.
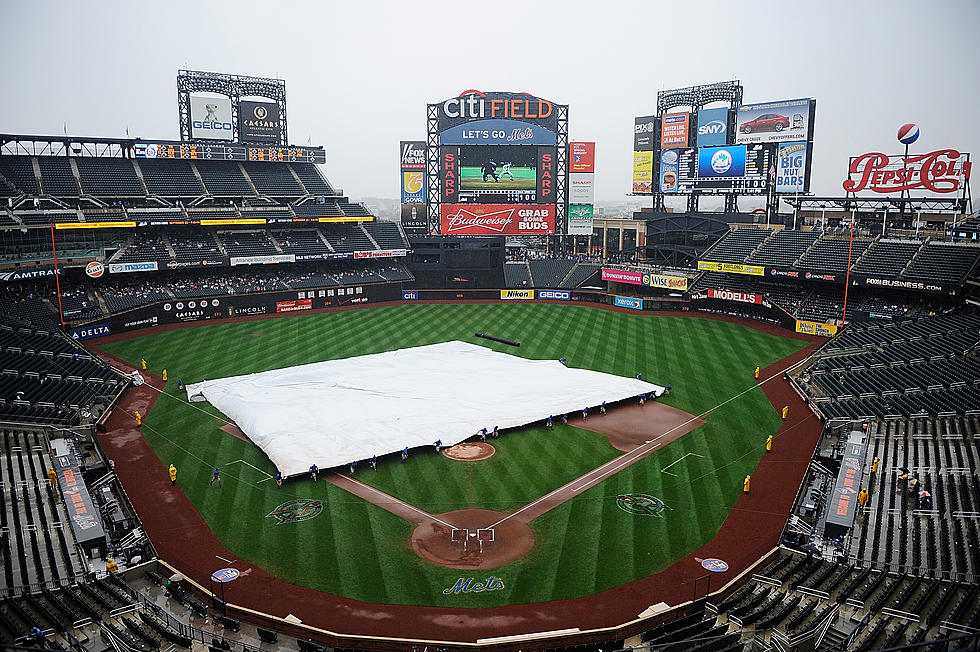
x=941, y=171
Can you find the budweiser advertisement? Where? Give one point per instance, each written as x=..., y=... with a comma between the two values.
x=941, y=171
x=497, y=219
x=729, y=295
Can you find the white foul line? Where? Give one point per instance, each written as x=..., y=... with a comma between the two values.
x=641, y=448
x=392, y=499
x=269, y=477
x=664, y=470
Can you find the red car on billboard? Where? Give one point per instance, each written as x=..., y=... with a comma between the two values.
x=766, y=122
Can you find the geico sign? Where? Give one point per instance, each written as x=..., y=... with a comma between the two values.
x=475, y=105
x=217, y=126
x=557, y=295
x=728, y=295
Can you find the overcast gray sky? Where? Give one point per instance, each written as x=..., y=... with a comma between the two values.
x=359, y=74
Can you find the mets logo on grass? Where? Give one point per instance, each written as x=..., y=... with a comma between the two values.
x=301, y=509
x=642, y=504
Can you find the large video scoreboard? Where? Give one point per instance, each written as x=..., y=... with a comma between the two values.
x=744, y=169
x=498, y=164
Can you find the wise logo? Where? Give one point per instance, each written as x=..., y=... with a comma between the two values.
x=294, y=511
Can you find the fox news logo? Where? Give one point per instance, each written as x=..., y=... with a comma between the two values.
x=413, y=155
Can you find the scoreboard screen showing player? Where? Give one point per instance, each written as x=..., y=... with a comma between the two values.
x=732, y=168
x=503, y=174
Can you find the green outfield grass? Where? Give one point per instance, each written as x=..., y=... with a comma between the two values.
x=583, y=546
x=471, y=178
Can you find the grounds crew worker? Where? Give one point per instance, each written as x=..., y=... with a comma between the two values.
x=863, y=497
x=139, y=419
x=111, y=566
x=785, y=412
x=745, y=484
x=53, y=477
x=173, y=475
x=756, y=374
x=164, y=375
x=769, y=444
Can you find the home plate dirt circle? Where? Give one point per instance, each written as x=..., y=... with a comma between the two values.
x=433, y=540
x=469, y=451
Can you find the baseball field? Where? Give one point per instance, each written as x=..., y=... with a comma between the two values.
x=324, y=537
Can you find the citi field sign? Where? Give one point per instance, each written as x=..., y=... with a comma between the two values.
x=471, y=105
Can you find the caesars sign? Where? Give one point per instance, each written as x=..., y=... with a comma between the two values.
x=941, y=171
x=497, y=219
x=259, y=122
x=211, y=118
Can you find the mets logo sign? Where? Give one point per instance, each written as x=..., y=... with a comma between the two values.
x=301, y=509
x=643, y=504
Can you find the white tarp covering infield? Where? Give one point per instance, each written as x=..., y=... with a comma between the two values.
x=331, y=413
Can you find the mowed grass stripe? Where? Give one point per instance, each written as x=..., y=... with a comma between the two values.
x=584, y=545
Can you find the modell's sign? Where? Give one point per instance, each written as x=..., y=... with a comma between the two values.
x=497, y=219
x=742, y=297
x=942, y=171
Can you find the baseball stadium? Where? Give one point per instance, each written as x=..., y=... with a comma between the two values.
x=243, y=410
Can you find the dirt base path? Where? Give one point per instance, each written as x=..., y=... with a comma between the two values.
x=751, y=530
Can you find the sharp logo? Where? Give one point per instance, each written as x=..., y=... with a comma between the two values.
x=713, y=127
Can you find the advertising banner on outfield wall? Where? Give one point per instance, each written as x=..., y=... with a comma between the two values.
x=211, y=118
x=259, y=122
x=294, y=305
x=629, y=302
x=581, y=188
x=815, y=328
x=88, y=332
x=517, y=294
x=632, y=277
x=380, y=253
x=731, y=268
x=497, y=219
x=642, y=173
x=622, y=276
x=555, y=295
x=791, y=167
x=730, y=295
x=582, y=157
x=675, y=130
x=644, y=131
x=581, y=219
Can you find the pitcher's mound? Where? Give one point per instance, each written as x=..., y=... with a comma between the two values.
x=470, y=452
x=434, y=541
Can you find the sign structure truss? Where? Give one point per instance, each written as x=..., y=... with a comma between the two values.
x=234, y=87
